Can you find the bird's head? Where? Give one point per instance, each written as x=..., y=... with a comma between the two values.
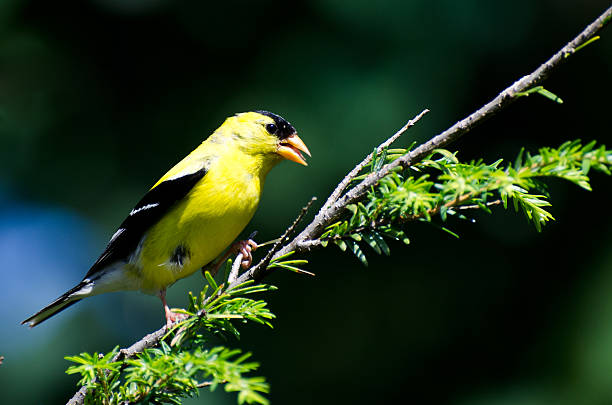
x=264, y=133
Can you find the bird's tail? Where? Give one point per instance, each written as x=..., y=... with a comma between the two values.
x=69, y=298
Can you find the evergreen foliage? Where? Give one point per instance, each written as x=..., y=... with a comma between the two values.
x=187, y=360
x=434, y=190
x=440, y=187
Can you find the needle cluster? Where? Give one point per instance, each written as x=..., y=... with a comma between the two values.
x=441, y=187
x=187, y=359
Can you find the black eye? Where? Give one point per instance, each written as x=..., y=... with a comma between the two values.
x=271, y=128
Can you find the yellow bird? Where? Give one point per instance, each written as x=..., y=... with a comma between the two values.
x=192, y=214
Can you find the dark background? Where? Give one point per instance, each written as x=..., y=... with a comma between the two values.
x=99, y=98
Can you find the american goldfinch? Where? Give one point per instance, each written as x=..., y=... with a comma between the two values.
x=192, y=214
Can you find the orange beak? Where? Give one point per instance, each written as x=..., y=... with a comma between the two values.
x=290, y=149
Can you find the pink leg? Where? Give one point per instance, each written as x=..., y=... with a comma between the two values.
x=171, y=317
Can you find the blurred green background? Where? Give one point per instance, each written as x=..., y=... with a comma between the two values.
x=98, y=98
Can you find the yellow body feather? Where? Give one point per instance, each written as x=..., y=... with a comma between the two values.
x=195, y=211
x=216, y=210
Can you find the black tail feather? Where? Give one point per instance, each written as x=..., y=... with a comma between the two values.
x=57, y=306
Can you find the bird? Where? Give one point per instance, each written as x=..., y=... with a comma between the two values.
x=192, y=213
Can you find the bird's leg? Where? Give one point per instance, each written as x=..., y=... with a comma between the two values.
x=242, y=246
x=171, y=317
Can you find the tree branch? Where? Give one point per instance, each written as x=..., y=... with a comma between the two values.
x=328, y=215
x=336, y=203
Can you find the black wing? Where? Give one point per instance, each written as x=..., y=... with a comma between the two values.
x=145, y=214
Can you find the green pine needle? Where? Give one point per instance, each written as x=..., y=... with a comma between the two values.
x=438, y=186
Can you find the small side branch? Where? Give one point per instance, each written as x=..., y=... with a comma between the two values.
x=366, y=161
x=235, y=268
x=256, y=272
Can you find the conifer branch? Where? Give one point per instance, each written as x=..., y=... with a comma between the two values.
x=329, y=214
x=338, y=202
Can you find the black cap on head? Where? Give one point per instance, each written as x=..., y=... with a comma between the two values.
x=284, y=128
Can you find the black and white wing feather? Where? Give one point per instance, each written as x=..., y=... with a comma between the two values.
x=145, y=214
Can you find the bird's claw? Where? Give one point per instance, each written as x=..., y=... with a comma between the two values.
x=245, y=247
x=173, y=317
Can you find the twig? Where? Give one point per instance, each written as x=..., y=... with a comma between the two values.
x=254, y=272
x=238, y=262
x=235, y=269
x=476, y=206
x=351, y=175
x=306, y=240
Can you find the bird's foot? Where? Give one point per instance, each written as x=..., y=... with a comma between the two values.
x=245, y=247
x=172, y=317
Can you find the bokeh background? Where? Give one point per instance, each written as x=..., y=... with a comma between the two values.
x=98, y=98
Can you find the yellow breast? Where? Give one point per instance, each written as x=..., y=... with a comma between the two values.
x=204, y=223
